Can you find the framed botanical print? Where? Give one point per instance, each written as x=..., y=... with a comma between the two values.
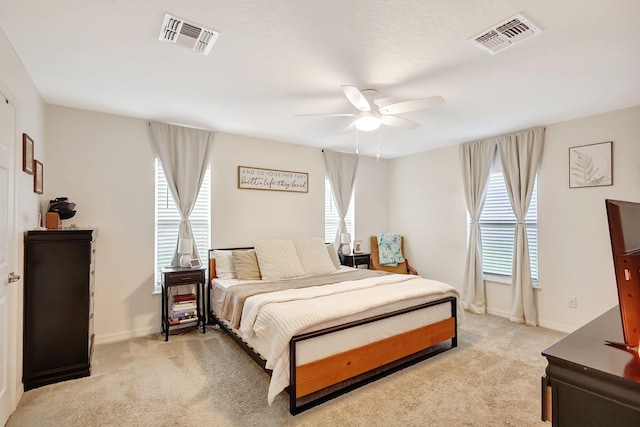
x=591, y=165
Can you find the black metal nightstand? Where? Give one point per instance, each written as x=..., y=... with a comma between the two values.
x=355, y=260
x=181, y=276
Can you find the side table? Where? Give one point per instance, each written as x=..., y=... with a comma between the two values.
x=182, y=276
x=354, y=260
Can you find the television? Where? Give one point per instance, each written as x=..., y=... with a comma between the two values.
x=624, y=230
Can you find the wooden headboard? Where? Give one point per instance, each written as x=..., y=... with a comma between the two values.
x=212, y=268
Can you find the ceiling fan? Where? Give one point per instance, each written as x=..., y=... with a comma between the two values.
x=370, y=116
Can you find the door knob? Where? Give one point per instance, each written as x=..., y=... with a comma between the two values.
x=13, y=277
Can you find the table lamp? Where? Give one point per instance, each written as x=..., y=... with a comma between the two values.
x=185, y=247
x=345, y=239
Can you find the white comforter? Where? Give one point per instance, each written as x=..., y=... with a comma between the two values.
x=278, y=316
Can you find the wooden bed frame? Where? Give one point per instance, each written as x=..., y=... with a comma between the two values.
x=325, y=379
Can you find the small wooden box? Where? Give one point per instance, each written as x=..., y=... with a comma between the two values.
x=53, y=221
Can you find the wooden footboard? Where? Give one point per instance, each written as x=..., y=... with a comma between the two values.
x=316, y=382
x=324, y=379
x=340, y=367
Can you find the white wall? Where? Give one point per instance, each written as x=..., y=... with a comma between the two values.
x=18, y=87
x=104, y=164
x=371, y=196
x=240, y=217
x=574, y=249
x=248, y=215
x=428, y=209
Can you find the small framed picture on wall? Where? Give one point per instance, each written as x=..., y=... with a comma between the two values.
x=38, y=173
x=27, y=154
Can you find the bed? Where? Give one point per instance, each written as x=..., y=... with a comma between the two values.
x=322, y=335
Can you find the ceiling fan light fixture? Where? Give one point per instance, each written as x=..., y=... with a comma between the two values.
x=369, y=116
x=367, y=121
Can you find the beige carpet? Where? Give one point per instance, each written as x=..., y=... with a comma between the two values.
x=491, y=379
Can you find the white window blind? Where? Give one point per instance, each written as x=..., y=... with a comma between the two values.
x=168, y=221
x=331, y=217
x=498, y=223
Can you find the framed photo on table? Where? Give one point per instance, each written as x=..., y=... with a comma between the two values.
x=357, y=247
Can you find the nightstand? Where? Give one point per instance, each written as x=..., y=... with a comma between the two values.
x=183, y=276
x=355, y=260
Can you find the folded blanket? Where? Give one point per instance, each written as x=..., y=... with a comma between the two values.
x=389, y=249
x=235, y=296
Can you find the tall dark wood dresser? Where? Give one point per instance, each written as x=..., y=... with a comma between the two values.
x=58, y=306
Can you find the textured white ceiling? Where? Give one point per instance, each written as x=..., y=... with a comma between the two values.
x=275, y=59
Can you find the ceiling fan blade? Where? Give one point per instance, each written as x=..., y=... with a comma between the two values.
x=326, y=115
x=398, y=122
x=356, y=97
x=414, y=105
x=350, y=126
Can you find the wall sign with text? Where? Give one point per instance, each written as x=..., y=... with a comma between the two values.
x=275, y=180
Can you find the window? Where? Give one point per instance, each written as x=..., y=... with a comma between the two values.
x=168, y=221
x=331, y=217
x=498, y=223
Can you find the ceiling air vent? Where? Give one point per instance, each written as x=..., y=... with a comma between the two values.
x=188, y=34
x=505, y=34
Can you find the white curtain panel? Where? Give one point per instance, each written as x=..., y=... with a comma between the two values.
x=520, y=154
x=184, y=155
x=341, y=169
x=477, y=159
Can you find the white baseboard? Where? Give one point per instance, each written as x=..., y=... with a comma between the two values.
x=125, y=335
x=557, y=326
x=542, y=323
x=498, y=312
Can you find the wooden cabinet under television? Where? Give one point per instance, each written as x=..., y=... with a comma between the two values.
x=58, y=306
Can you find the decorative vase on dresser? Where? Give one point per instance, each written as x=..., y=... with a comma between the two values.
x=58, y=306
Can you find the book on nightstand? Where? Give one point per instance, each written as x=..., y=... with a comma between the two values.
x=173, y=321
x=184, y=306
x=184, y=298
x=183, y=313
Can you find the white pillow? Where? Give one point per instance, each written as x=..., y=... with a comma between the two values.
x=224, y=265
x=331, y=250
x=278, y=259
x=314, y=256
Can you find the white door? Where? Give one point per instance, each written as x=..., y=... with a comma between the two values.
x=8, y=300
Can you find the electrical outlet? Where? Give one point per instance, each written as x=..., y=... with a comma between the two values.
x=572, y=301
